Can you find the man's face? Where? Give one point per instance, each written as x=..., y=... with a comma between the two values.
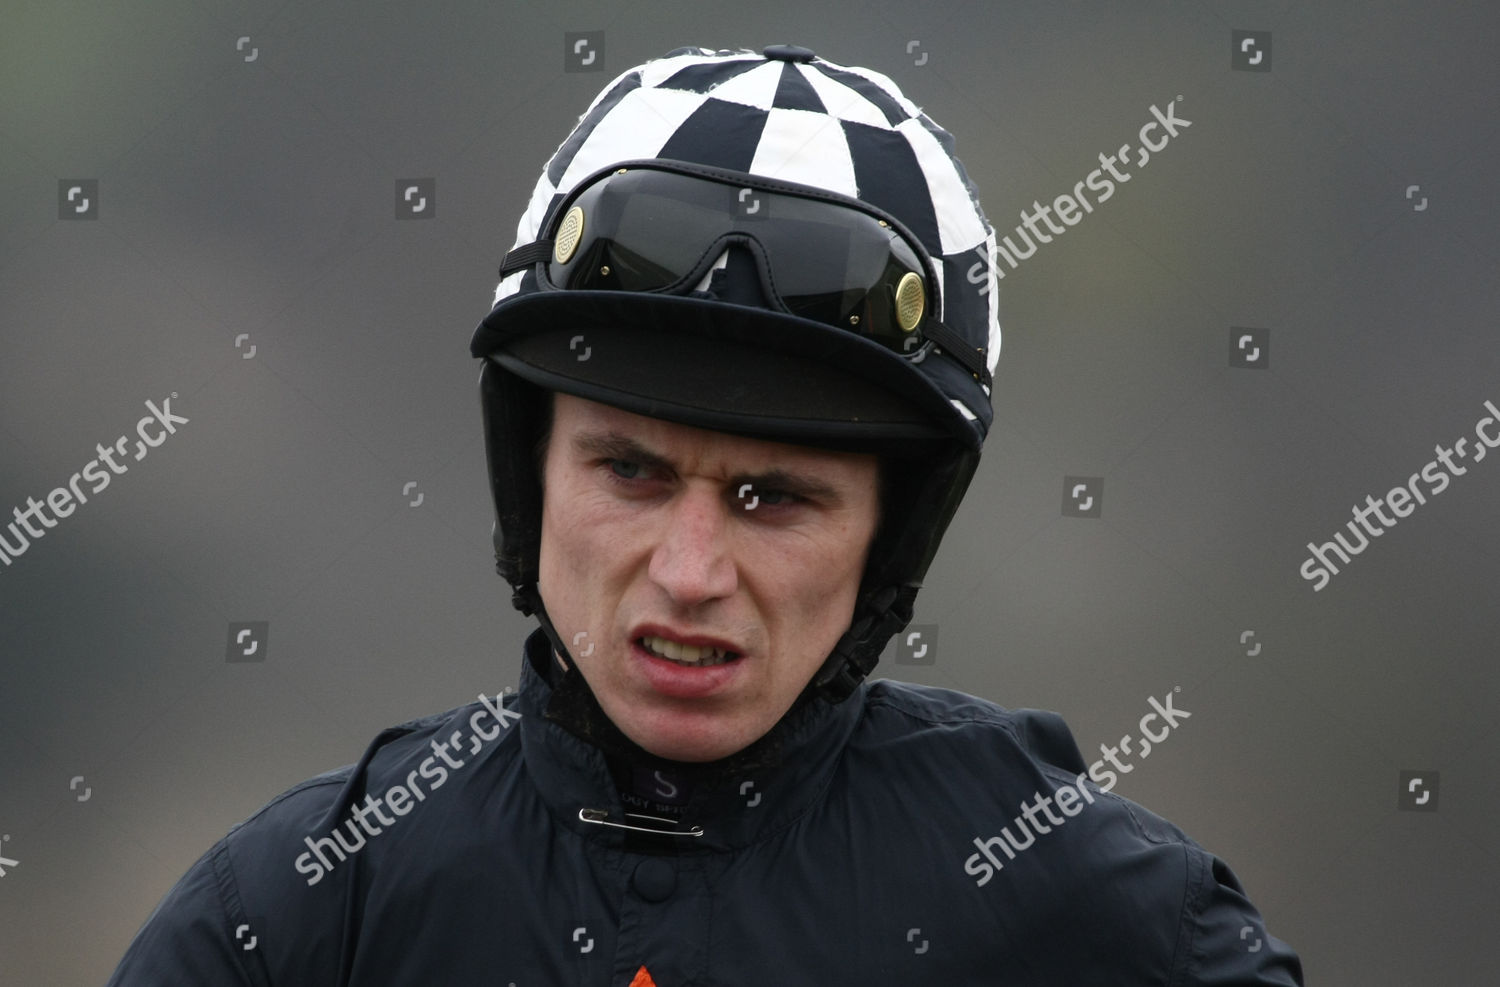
x=650, y=532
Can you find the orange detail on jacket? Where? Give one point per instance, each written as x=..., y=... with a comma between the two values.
x=642, y=979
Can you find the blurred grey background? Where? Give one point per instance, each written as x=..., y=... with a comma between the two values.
x=247, y=248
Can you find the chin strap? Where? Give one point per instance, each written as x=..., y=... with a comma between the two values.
x=879, y=614
x=525, y=598
x=573, y=704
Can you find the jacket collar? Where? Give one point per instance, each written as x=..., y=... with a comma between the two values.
x=569, y=743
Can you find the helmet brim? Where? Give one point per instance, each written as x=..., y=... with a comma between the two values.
x=720, y=366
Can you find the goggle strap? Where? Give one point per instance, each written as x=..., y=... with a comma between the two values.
x=953, y=344
x=521, y=258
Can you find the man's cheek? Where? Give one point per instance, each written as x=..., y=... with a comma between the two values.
x=614, y=514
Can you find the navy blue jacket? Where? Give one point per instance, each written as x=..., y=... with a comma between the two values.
x=454, y=852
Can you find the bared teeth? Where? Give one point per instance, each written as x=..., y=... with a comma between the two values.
x=685, y=654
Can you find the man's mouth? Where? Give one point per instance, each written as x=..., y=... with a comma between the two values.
x=686, y=654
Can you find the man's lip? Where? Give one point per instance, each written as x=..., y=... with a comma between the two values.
x=662, y=677
x=697, y=640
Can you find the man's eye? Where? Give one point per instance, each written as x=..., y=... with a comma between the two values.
x=771, y=497
x=625, y=469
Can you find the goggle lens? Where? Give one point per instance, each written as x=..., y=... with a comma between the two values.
x=649, y=229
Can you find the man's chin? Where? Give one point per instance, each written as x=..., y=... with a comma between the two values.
x=691, y=743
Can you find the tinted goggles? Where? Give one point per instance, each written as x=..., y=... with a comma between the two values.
x=660, y=226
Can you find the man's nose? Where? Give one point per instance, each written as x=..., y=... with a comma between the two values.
x=692, y=561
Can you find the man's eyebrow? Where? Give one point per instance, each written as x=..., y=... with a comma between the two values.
x=614, y=445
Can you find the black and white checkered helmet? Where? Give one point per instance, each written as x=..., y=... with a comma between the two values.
x=715, y=337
